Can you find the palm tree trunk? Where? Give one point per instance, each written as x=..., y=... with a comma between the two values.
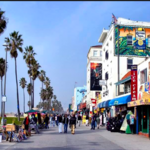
x=33, y=96
x=17, y=90
x=24, y=100
x=31, y=92
x=1, y=95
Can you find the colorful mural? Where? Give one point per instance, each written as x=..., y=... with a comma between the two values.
x=134, y=41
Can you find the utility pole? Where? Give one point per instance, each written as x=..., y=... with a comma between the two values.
x=118, y=62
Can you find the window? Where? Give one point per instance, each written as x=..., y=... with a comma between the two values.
x=106, y=76
x=94, y=53
x=129, y=39
x=129, y=63
x=143, y=76
x=106, y=55
x=101, y=53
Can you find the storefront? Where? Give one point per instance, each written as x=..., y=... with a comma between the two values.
x=142, y=116
x=120, y=104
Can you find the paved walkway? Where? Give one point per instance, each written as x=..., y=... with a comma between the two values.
x=84, y=139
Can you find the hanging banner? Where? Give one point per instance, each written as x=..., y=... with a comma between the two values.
x=134, y=82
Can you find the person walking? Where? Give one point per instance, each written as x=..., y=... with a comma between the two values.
x=56, y=120
x=33, y=122
x=79, y=120
x=98, y=121
x=60, y=124
x=73, y=124
x=46, y=121
x=87, y=119
x=93, y=122
x=132, y=121
x=53, y=120
x=65, y=122
x=26, y=124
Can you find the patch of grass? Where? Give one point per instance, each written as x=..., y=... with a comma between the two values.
x=11, y=120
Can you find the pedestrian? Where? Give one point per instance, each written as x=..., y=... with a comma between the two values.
x=60, y=124
x=56, y=120
x=65, y=122
x=46, y=121
x=87, y=119
x=101, y=119
x=98, y=121
x=73, y=123
x=93, y=122
x=26, y=124
x=53, y=120
x=79, y=120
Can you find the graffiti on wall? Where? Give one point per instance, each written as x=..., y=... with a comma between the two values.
x=134, y=41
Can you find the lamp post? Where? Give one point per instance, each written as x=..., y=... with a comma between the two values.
x=3, y=102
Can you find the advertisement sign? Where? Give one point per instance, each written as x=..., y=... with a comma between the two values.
x=146, y=86
x=102, y=82
x=70, y=107
x=134, y=83
x=133, y=41
x=96, y=75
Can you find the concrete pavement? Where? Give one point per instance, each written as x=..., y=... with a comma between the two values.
x=84, y=139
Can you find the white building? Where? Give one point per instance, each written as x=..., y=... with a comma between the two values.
x=110, y=60
x=94, y=56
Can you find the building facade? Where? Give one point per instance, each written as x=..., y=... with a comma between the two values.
x=129, y=52
x=79, y=93
x=94, y=73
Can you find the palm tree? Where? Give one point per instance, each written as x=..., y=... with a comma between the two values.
x=49, y=96
x=23, y=84
x=29, y=59
x=43, y=94
x=29, y=104
x=15, y=44
x=3, y=22
x=29, y=87
x=47, y=82
x=42, y=77
x=34, y=73
x=2, y=72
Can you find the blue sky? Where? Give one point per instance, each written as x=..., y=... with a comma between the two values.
x=61, y=34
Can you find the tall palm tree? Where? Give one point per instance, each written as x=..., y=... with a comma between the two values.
x=42, y=76
x=29, y=88
x=43, y=94
x=2, y=72
x=47, y=82
x=29, y=59
x=49, y=96
x=3, y=22
x=23, y=84
x=16, y=43
x=29, y=104
x=34, y=74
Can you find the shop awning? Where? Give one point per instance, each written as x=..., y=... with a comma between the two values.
x=104, y=104
x=139, y=102
x=107, y=103
x=120, y=100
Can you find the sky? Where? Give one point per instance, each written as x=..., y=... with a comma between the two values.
x=61, y=34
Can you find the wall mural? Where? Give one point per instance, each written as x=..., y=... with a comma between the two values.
x=134, y=41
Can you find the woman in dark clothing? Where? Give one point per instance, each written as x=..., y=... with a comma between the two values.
x=46, y=120
x=26, y=123
x=72, y=124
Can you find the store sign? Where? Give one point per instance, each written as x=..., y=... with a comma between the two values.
x=115, y=102
x=102, y=82
x=93, y=101
x=134, y=82
x=82, y=105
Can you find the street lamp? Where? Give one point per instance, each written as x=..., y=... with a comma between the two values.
x=4, y=95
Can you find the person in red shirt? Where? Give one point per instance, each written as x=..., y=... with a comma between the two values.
x=26, y=123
